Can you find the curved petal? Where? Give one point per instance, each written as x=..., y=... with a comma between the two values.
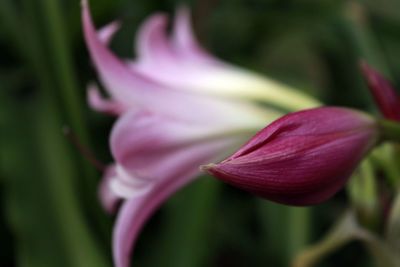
x=126, y=185
x=132, y=216
x=146, y=144
x=94, y=98
x=227, y=81
x=180, y=62
x=184, y=40
x=152, y=44
x=126, y=86
x=165, y=152
x=132, y=89
x=113, y=72
x=107, y=32
x=157, y=50
x=156, y=156
x=99, y=103
x=109, y=200
x=136, y=211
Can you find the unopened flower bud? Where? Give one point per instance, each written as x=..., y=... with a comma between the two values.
x=385, y=96
x=302, y=158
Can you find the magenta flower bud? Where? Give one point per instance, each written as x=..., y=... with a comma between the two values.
x=302, y=158
x=383, y=92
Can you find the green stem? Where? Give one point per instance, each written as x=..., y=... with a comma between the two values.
x=71, y=233
x=339, y=235
x=58, y=43
x=390, y=130
x=393, y=226
x=65, y=80
x=80, y=245
x=346, y=230
x=384, y=158
x=362, y=193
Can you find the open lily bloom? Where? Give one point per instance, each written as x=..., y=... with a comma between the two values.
x=156, y=156
x=178, y=62
x=178, y=109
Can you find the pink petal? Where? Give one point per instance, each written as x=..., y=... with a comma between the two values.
x=131, y=89
x=157, y=155
x=107, y=32
x=165, y=155
x=384, y=93
x=178, y=62
x=136, y=211
x=146, y=144
x=108, y=198
x=155, y=49
x=95, y=100
x=127, y=186
x=302, y=158
x=181, y=63
x=184, y=39
x=124, y=85
x=100, y=104
x=152, y=44
x=111, y=69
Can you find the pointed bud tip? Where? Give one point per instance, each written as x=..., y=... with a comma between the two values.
x=370, y=74
x=367, y=70
x=363, y=63
x=385, y=95
x=207, y=168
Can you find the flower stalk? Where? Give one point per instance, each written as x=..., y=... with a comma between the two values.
x=390, y=130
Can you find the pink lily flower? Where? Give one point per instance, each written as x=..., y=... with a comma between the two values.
x=180, y=63
x=178, y=109
x=303, y=158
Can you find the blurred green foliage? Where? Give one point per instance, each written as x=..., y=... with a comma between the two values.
x=50, y=215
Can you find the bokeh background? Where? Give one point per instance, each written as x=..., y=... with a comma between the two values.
x=50, y=214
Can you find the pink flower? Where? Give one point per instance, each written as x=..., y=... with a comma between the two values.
x=302, y=158
x=178, y=108
x=179, y=63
